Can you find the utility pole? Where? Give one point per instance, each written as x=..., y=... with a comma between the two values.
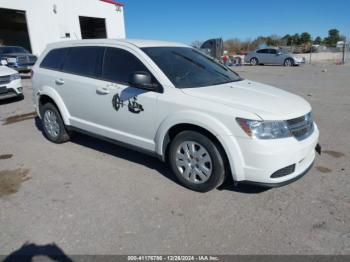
x=310, y=52
x=344, y=44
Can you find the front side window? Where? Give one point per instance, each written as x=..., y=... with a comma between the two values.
x=187, y=68
x=262, y=51
x=84, y=61
x=54, y=59
x=119, y=64
x=273, y=51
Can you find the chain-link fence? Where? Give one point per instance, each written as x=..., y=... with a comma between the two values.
x=320, y=54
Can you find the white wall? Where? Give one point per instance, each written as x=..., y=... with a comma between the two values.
x=45, y=26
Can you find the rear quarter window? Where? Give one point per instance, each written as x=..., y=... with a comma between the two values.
x=54, y=59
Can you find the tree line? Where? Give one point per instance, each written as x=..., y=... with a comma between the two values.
x=235, y=45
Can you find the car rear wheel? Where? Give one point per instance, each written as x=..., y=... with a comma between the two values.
x=288, y=62
x=53, y=126
x=254, y=61
x=196, y=161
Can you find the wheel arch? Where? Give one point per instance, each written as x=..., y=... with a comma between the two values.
x=169, y=129
x=50, y=95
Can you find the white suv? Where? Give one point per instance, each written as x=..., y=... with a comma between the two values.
x=174, y=102
x=10, y=82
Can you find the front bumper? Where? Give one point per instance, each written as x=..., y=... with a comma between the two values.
x=280, y=184
x=263, y=158
x=21, y=67
x=14, y=89
x=299, y=62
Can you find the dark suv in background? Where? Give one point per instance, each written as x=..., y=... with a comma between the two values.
x=17, y=58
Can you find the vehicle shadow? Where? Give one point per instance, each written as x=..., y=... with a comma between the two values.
x=10, y=100
x=118, y=151
x=29, y=251
x=229, y=185
x=146, y=160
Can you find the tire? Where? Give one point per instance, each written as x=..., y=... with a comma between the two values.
x=52, y=123
x=254, y=61
x=288, y=62
x=201, y=169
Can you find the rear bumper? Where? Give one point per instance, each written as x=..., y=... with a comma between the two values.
x=14, y=89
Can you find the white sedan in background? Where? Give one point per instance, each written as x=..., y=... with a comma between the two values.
x=273, y=56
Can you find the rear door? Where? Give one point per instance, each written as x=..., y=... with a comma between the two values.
x=78, y=81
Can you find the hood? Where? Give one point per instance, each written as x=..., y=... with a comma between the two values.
x=5, y=71
x=267, y=102
x=18, y=54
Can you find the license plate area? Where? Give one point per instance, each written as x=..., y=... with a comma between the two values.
x=3, y=89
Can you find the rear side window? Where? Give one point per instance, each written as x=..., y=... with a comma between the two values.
x=54, y=59
x=84, y=61
x=119, y=64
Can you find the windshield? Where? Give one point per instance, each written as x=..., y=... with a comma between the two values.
x=188, y=68
x=12, y=50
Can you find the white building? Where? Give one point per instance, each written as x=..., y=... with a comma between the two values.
x=35, y=23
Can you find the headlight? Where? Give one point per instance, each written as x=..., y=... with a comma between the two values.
x=264, y=129
x=15, y=77
x=11, y=60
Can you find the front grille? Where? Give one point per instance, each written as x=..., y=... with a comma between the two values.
x=301, y=127
x=22, y=59
x=284, y=171
x=5, y=80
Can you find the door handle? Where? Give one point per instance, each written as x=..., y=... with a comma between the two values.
x=59, y=81
x=102, y=91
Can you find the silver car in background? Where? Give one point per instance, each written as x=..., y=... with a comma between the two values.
x=273, y=56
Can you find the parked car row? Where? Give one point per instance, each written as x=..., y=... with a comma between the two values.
x=17, y=58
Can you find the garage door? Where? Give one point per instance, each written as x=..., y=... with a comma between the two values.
x=13, y=28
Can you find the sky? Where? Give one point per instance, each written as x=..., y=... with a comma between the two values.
x=187, y=21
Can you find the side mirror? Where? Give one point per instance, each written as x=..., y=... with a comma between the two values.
x=3, y=62
x=279, y=53
x=142, y=80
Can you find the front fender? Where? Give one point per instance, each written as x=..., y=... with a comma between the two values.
x=212, y=125
x=53, y=94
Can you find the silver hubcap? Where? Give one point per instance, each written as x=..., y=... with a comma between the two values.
x=288, y=63
x=51, y=123
x=193, y=162
x=253, y=62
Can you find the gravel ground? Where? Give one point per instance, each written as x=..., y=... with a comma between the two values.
x=91, y=197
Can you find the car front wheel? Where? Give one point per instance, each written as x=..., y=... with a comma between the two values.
x=196, y=161
x=288, y=62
